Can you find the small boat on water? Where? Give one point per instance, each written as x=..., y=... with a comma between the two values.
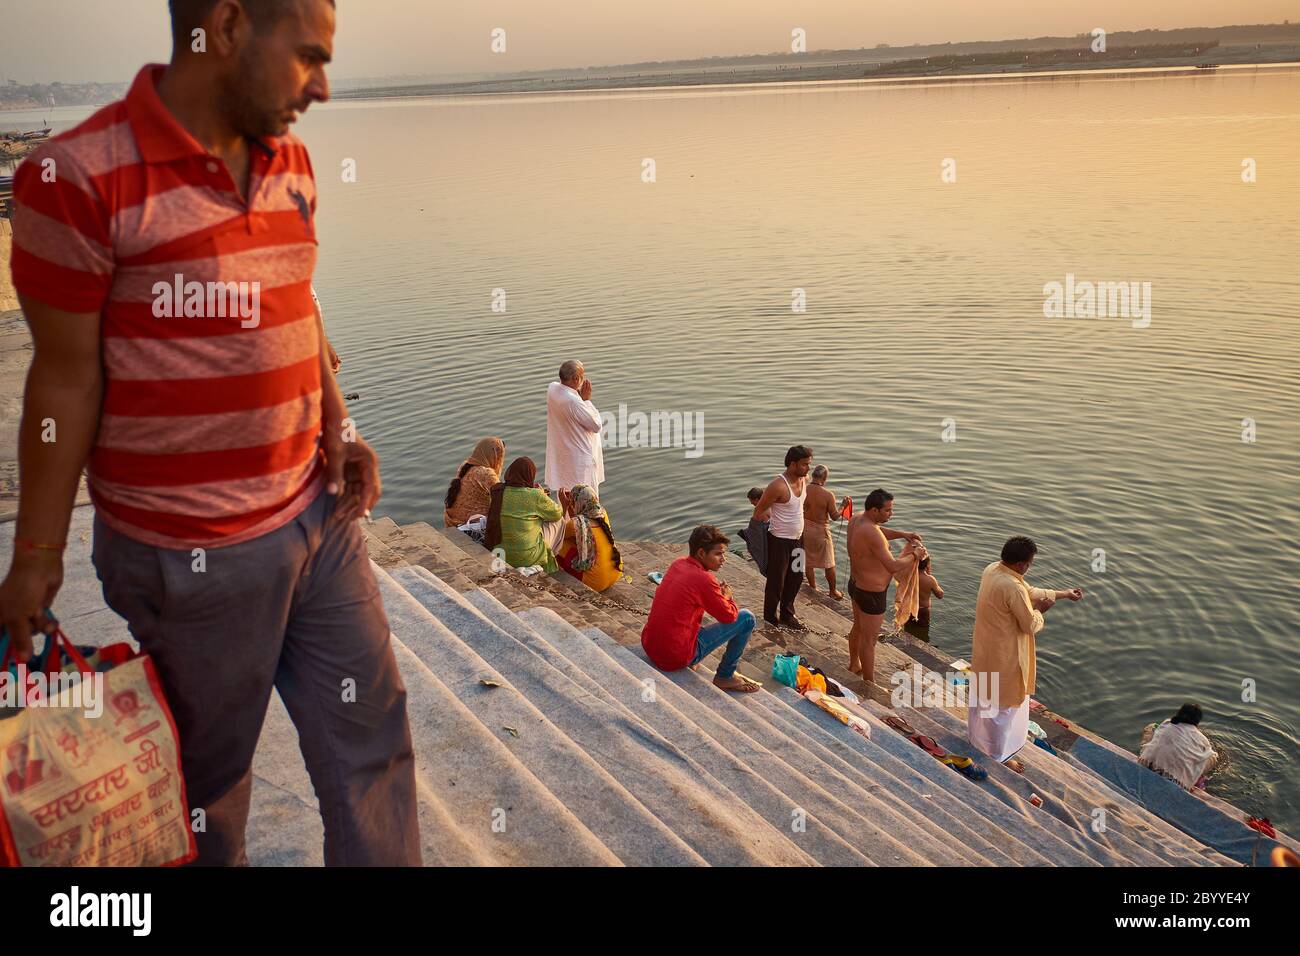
x=1207, y=66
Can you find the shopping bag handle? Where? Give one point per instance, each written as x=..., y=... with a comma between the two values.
x=59, y=640
x=50, y=654
x=7, y=660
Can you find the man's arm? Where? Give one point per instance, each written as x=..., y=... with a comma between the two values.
x=583, y=414
x=332, y=359
x=894, y=566
x=1064, y=594
x=351, y=465
x=719, y=604
x=1029, y=619
x=934, y=587
x=61, y=404
x=892, y=535
x=771, y=496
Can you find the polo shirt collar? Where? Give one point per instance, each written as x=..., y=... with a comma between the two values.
x=158, y=134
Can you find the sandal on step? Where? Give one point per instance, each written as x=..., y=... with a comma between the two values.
x=966, y=766
x=899, y=724
x=929, y=745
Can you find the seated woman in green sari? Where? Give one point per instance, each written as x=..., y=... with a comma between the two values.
x=523, y=520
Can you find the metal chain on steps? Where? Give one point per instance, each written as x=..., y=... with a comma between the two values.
x=595, y=600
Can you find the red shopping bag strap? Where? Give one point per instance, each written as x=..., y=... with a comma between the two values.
x=60, y=640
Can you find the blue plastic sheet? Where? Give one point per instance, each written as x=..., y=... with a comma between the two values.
x=1175, y=805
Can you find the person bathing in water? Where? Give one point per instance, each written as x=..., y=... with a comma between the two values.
x=919, y=626
x=755, y=535
x=871, y=566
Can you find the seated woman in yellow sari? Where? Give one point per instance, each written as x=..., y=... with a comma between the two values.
x=588, y=552
x=523, y=520
x=470, y=491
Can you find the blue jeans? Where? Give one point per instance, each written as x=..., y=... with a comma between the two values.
x=735, y=635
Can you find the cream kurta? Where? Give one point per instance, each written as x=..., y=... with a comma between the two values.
x=1005, y=625
x=573, y=450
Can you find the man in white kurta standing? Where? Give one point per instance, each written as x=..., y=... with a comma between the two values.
x=573, y=449
x=1008, y=613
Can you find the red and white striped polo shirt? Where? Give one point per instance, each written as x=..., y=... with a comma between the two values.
x=209, y=432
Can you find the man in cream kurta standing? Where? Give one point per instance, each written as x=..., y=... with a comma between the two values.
x=1008, y=613
x=573, y=449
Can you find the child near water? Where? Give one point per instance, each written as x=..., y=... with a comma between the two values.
x=919, y=626
x=755, y=535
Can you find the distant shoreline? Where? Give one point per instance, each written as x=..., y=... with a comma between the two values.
x=858, y=72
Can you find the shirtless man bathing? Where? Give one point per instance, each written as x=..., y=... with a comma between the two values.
x=871, y=566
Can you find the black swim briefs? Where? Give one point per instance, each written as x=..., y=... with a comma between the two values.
x=868, y=602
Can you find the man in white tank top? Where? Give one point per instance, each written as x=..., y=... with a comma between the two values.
x=782, y=502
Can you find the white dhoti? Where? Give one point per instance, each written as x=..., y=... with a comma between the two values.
x=1000, y=732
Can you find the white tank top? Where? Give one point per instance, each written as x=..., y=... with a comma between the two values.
x=787, y=517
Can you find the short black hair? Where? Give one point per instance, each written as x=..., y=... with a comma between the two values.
x=1018, y=548
x=754, y=494
x=188, y=15
x=924, y=565
x=1189, y=713
x=706, y=536
x=877, y=499
x=797, y=453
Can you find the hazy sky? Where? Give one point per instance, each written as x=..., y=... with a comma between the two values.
x=81, y=40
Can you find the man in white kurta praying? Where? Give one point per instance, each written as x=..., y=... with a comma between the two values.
x=1008, y=615
x=573, y=445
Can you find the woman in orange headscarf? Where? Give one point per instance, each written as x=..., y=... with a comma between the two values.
x=470, y=492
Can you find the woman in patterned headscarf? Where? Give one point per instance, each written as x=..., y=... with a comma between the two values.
x=589, y=552
x=470, y=491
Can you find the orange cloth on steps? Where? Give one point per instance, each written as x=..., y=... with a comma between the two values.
x=907, y=593
x=807, y=680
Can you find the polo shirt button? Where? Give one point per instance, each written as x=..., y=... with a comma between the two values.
x=212, y=166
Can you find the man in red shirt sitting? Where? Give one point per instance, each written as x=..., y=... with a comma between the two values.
x=672, y=636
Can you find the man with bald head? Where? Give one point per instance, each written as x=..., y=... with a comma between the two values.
x=573, y=449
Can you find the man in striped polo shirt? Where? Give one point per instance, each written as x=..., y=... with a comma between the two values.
x=163, y=256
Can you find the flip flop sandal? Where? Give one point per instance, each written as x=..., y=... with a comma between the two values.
x=899, y=724
x=929, y=745
x=965, y=766
x=1263, y=825
x=748, y=686
x=1042, y=742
